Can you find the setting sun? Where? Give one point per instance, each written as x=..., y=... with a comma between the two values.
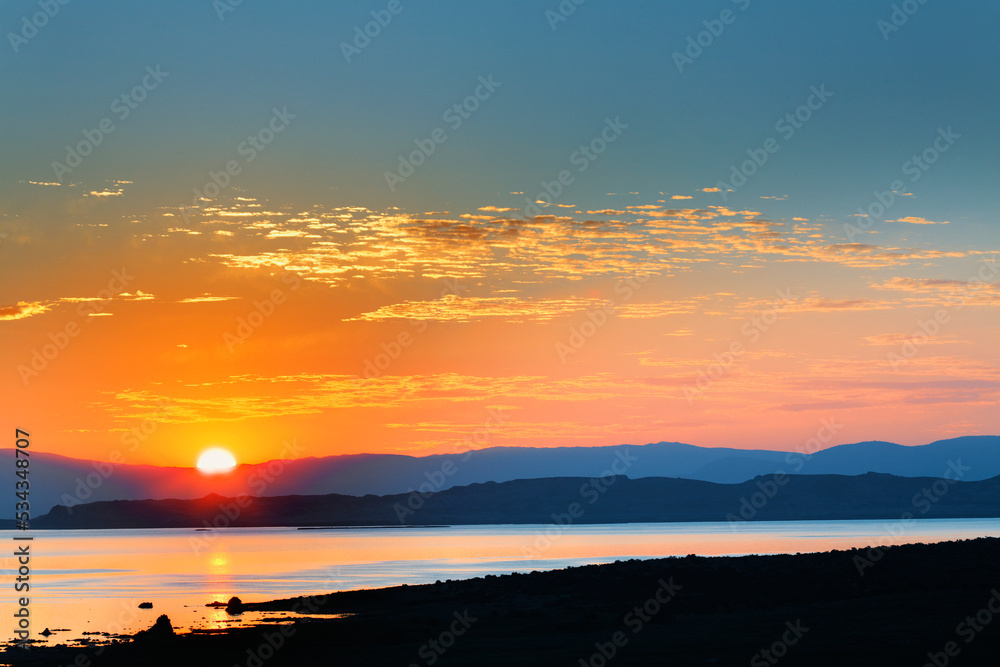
x=216, y=460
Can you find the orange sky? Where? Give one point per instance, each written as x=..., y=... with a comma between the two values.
x=226, y=228
x=255, y=322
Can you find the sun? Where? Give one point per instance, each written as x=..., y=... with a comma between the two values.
x=216, y=460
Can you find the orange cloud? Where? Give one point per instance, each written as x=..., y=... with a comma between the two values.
x=22, y=310
x=920, y=221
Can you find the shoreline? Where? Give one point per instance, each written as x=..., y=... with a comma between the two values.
x=890, y=605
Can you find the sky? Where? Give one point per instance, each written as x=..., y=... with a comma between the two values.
x=413, y=228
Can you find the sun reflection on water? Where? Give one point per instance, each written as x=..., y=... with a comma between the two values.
x=220, y=569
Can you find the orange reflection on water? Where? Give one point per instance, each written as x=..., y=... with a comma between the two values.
x=94, y=580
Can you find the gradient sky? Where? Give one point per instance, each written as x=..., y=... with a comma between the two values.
x=636, y=305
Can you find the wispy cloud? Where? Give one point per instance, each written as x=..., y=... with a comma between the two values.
x=22, y=310
x=913, y=220
x=454, y=308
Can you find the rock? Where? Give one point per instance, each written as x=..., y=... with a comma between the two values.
x=160, y=631
x=235, y=606
x=145, y=605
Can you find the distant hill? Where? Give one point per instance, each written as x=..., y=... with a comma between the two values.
x=67, y=481
x=566, y=500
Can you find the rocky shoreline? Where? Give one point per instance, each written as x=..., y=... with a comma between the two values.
x=911, y=604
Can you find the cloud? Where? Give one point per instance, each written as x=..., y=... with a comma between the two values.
x=255, y=396
x=922, y=284
x=814, y=304
x=944, y=292
x=820, y=304
x=919, y=221
x=897, y=340
x=682, y=197
x=867, y=255
x=340, y=245
x=23, y=310
x=453, y=308
x=645, y=311
x=207, y=299
x=285, y=233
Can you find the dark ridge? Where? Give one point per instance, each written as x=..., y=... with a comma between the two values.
x=613, y=499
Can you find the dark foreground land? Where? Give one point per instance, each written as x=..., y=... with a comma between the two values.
x=912, y=605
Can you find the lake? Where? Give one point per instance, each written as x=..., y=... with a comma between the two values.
x=94, y=580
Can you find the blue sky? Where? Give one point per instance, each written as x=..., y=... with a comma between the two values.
x=607, y=59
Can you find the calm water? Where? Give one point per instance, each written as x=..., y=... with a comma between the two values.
x=94, y=580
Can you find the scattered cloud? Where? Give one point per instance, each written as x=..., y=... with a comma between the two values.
x=454, y=308
x=898, y=340
x=206, y=298
x=22, y=310
x=920, y=221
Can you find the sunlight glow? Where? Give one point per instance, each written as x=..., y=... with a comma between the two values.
x=216, y=460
